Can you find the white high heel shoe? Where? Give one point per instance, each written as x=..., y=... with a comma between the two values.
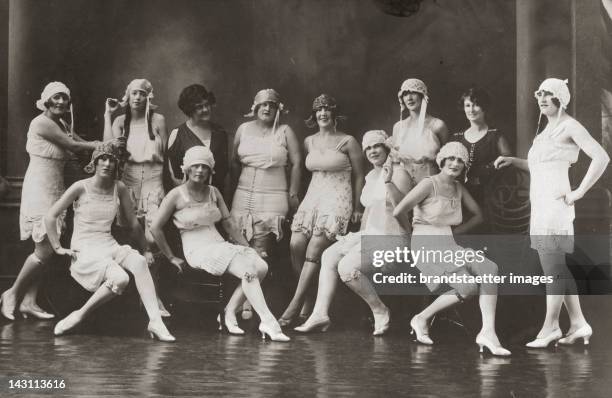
x=497, y=350
x=420, y=335
x=320, y=325
x=157, y=330
x=231, y=326
x=543, y=342
x=583, y=333
x=273, y=331
x=66, y=324
x=381, y=324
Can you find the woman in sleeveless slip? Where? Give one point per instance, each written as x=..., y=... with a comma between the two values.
x=98, y=261
x=553, y=151
x=146, y=137
x=437, y=203
x=196, y=102
x=484, y=144
x=385, y=186
x=266, y=175
x=195, y=207
x=417, y=136
x=50, y=137
x=331, y=202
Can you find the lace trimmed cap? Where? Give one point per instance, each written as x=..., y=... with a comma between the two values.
x=120, y=155
x=417, y=86
x=323, y=101
x=373, y=137
x=49, y=91
x=455, y=149
x=559, y=90
x=198, y=155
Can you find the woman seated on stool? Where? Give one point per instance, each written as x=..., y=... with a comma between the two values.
x=385, y=186
x=437, y=202
x=98, y=261
x=195, y=207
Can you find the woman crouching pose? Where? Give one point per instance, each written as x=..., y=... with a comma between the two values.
x=437, y=202
x=98, y=261
x=195, y=207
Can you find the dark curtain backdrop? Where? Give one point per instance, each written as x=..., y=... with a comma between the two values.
x=348, y=48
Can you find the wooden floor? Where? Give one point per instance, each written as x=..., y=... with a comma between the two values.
x=117, y=359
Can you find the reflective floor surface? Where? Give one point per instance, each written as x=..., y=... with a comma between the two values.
x=343, y=361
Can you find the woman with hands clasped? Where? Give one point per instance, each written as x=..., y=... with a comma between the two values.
x=437, y=202
x=98, y=261
x=553, y=151
x=196, y=206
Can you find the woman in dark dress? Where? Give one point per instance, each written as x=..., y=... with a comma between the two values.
x=484, y=144
x=196, y=103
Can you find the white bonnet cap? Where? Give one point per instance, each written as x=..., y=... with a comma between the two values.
x=455, y=149
x=49, y=91
x=558, y=88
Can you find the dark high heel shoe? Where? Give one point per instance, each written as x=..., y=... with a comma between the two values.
x=420, y=335
x=66, y=324
x=8, y=307
x=36, y=313
x=320, y=325
x=231, y=327
x=273, y=331
x=157, y=330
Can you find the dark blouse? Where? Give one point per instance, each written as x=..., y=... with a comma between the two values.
x=482, y=154
x=185, y=139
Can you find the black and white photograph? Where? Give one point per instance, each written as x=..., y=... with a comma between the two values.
x=296, y=198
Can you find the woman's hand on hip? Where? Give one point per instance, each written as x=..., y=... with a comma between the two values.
x=571, y=197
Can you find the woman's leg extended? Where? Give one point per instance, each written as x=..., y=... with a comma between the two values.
x=137, y=265
x=32, y=268
x=115, y=282
x=262, y=243
x=316, y=246
x=350, y=271
x=250, y=269
x=328, y=281
x=487, y=299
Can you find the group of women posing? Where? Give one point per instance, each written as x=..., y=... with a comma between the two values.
x=412, y=189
